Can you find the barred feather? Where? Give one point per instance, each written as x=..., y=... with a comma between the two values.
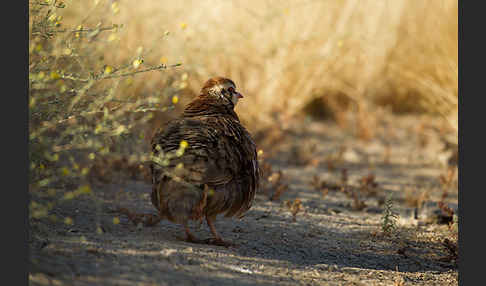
x=220, y=154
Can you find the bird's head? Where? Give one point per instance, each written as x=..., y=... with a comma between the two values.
x=221, y=89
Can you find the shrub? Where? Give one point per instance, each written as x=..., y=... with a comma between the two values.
x=82, y=109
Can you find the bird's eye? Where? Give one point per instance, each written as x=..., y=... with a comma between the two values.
x=231, y=90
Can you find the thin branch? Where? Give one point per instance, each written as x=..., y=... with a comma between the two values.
x=87, y=30
x=159, y=67
x=101, y=77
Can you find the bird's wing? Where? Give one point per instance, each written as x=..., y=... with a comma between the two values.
x=202, y=161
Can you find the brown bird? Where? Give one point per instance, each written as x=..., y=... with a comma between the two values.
x=205, y=163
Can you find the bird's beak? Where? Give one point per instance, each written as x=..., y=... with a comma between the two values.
x=238, y=95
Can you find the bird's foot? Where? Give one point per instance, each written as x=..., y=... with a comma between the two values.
x=151, y=220
x=219, y=242
x=136, y=218
x=191, y=239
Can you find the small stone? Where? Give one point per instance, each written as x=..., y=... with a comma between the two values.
x=167, y=252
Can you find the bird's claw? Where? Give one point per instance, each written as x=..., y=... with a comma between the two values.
x=219, y=242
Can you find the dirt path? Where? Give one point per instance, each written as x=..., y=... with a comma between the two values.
x=333, y=240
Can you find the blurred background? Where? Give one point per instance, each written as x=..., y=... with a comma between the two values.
x=346, y=55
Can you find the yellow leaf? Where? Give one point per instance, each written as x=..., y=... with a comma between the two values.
x=175, y=99
x=179, y=153
x=85, y=189
x=137, y=63
x=32, y=102
x=54, y=75
x=112, y=37
x=55, y=157
x=68, y=220
x=65, y=171
x=68, y=196
x=39, y=213
x=184, y=144
x=80, y=27
x=104, y=150
x=52, y=18
x=108, y=69
x=116, y=220
x=98, y=129
x=119, y=130
x=115, y=8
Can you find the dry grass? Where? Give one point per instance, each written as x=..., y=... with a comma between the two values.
x=101, y=71
x=284, y=54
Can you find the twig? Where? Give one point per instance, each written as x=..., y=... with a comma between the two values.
x=86, y=30
x=101, y=77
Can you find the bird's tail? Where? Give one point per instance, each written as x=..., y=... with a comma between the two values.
x=181, y=202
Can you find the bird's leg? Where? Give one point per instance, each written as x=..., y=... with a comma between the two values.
x=189, y=236
x=151, y=219
x=136, y=218
x=216, y=240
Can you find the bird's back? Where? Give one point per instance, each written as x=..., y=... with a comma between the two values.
x=216, y=151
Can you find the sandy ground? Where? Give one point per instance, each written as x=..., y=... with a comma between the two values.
x=330, y=242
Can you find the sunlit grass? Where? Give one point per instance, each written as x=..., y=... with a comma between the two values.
x=283, y=54
x=100, y=71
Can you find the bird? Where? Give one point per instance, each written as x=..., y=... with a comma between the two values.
x=204, y=163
